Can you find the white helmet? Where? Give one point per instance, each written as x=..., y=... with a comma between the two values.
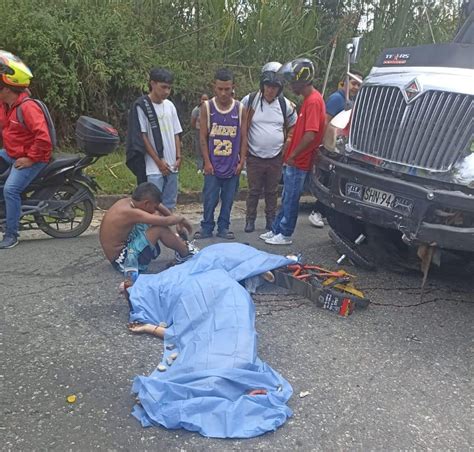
x=269, y=75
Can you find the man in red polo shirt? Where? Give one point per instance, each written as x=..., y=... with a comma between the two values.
x=307, y=137
x=26, y=146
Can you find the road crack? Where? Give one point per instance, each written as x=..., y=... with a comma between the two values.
x=279, y=303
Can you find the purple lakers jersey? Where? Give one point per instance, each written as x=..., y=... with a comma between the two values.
x=224, y=138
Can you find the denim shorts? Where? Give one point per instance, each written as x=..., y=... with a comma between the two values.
x=138, y=242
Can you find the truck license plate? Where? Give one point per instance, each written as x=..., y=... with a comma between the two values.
x=379, y=197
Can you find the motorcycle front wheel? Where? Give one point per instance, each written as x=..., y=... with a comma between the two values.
x=71, y=222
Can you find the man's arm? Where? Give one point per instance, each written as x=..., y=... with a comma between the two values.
x=177, y=142
x=41, y=147
x=328, y=119
x=305, y=141
x=289, y=135
x=183, y=224
x=194, y=116
x=203, y=136
x=163, y=210
x=177, y=130
x=243, y=141
x=140, y=216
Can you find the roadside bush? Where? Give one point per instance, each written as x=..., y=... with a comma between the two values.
x=84, y=56
x=92, y=56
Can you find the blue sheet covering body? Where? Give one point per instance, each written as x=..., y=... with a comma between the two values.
x=211, y=325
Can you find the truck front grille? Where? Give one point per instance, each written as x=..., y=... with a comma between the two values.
x=431, y=132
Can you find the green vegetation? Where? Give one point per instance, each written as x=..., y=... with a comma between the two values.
x=113, y=176
x=92, y=57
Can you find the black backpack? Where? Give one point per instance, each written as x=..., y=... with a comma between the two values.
x=47, y=115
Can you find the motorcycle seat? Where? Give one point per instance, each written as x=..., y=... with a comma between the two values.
x=59, y=162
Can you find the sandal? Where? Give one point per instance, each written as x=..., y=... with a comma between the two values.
x=226, y=234
x=202, y=235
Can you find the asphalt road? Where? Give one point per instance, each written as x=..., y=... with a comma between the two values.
x=394, y=376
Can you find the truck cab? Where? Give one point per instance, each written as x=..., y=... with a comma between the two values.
x=405, y=162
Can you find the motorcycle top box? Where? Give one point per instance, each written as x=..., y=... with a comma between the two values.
x=96, y=137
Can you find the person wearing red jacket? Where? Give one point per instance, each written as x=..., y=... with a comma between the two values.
x=27, y=146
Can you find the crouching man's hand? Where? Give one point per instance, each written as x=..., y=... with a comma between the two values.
x=184, y=225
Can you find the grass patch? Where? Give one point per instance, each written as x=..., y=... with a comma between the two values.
x=114, y=177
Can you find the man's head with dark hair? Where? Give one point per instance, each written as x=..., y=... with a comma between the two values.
x=224, y=75
x=357, y=72
x=147, y=197
x=159, y=74
x=224, y=86
x=160, y=84
x=354, y=85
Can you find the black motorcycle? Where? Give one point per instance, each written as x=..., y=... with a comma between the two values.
x=60, y=201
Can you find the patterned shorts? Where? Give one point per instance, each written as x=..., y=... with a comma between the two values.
x=139, y=243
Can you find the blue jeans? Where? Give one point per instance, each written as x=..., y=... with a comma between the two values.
x=16, y=182
x=215, y=188
x=293, y=183
x=168, y=185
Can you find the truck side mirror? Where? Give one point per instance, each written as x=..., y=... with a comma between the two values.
x=353, y=49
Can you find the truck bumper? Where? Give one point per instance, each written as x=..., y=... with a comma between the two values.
x=329, y=181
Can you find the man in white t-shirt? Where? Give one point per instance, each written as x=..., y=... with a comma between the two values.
x=163, y=172
x=271, y=118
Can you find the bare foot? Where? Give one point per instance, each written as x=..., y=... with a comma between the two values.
x=154, y=330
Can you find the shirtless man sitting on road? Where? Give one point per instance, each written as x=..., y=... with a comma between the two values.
x=139, y=223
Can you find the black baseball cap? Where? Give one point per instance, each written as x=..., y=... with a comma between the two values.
x=159, y=74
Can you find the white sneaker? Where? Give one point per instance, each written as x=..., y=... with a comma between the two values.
x=316, y=219
x=267, y=235
x=279, y=239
